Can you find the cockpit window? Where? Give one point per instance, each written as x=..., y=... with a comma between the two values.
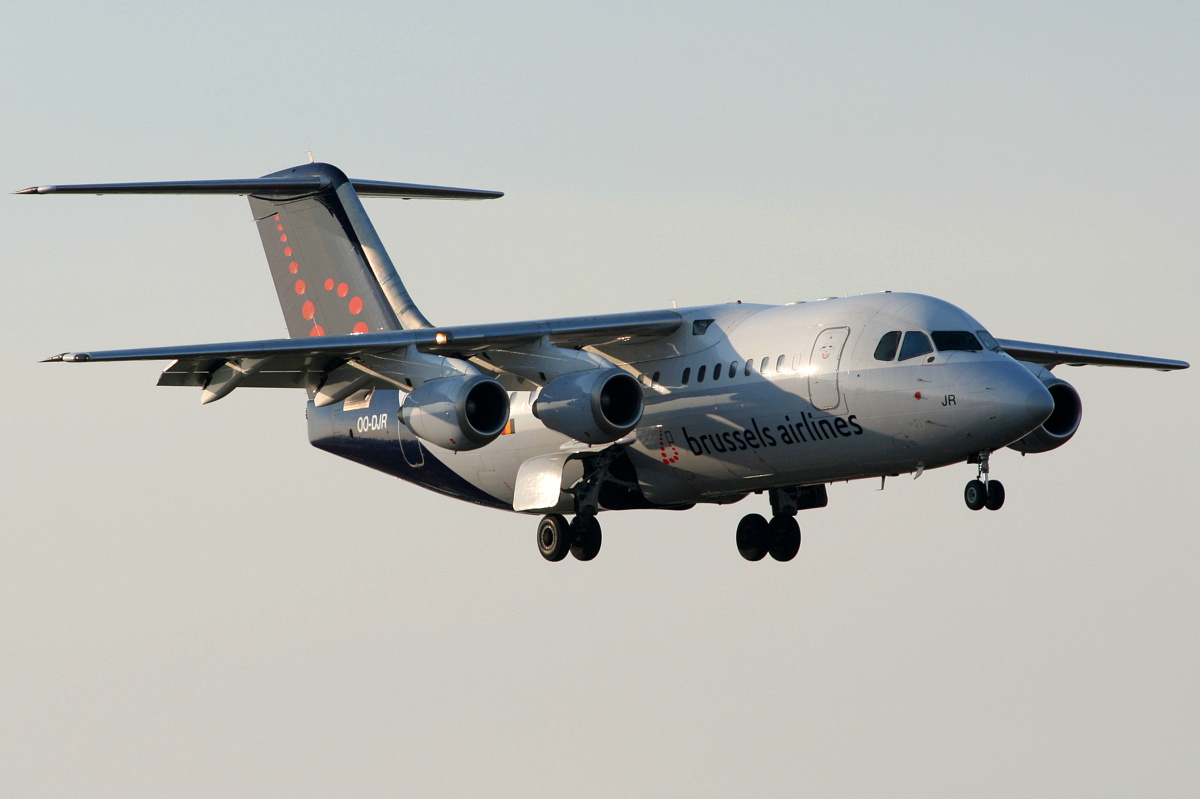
x=886, y=349
x=915, y=343
x=989, y=343
x=946, y=340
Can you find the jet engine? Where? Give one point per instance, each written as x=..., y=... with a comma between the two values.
x=595, y=406
x=1064, y=419
x=458, y=413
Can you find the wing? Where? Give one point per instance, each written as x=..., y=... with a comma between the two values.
x=536, y=351
x=1051, y=355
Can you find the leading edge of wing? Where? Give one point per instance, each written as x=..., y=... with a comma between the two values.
x=1051, y=355
x=463, y=340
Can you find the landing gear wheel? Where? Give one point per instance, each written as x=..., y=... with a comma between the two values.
x=753, y=537
x=585, y=537
x=995, y=495
x=554, y=537
x=784, y=534
x=976, y=494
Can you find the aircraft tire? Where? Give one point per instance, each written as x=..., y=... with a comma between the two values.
x=554, y=537
x=585, y=537
x=995, y=495
x=975, y=494
x=784, y=533
x=753, y=537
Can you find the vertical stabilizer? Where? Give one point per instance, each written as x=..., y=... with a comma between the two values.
x=330, y=270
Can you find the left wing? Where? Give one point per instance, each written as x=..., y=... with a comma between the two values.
x=1051, y=355
x=393, y=359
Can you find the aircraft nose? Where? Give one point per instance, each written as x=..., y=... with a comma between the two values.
x=1024, y=399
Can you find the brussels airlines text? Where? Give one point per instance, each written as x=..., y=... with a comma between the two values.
x=803, y=430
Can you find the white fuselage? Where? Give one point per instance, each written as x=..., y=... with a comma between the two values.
x=749, y=397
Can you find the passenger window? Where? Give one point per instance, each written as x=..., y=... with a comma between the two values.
x=885, y=350
x=733, y=370
x=766, y=363
x=700, y=374
x=717, y=372
x=946, y=340
x=779, y=363
x=915, y=343
x=687, y=375
x=749, y=366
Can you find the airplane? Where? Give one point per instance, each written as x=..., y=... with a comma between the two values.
x=661, y=409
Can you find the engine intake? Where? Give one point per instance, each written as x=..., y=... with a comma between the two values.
x=1063, y=421
x=596, y=406
x=458, y=413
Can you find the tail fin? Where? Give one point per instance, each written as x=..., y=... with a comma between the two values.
x=330, y=269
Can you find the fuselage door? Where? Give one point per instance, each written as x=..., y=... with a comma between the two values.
x=823, y=368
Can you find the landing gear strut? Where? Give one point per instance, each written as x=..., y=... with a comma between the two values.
x=982, y=492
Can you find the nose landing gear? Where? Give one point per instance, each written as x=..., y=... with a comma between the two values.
x=982, y=492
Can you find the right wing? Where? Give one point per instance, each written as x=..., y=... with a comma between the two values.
x=1051, y=355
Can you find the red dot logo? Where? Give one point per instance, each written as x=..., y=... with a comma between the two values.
x=299, y=286
x=361, y=327
x=356, y=305
x=663, y=446
x=329, y=284
x=308, y=309
x=283, y=237
x=343, y=289
x=293, y=267
x=317, y=331
x=287, y=251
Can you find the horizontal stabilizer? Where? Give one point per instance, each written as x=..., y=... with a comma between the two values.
x=271, y=187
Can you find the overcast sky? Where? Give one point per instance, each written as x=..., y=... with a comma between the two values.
x=195, y=602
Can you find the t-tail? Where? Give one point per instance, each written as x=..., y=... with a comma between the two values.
x=331, y=271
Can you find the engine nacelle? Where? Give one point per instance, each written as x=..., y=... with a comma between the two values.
x=595, y=406
x=1064, y=419
x=459, y=413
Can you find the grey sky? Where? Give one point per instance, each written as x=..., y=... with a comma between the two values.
x=195, y=602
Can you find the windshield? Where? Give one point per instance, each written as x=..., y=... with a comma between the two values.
x=946, y=340
x=988, y=342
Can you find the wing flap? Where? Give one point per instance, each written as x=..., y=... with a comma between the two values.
x=1051, y=355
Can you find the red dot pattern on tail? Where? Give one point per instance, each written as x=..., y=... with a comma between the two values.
x=309, y=309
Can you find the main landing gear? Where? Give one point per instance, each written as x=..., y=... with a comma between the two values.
x=982, y=492
x=780, y=537
x=581, y=537
x=756, y=537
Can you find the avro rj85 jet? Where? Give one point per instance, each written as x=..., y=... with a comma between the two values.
x=656, y=409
